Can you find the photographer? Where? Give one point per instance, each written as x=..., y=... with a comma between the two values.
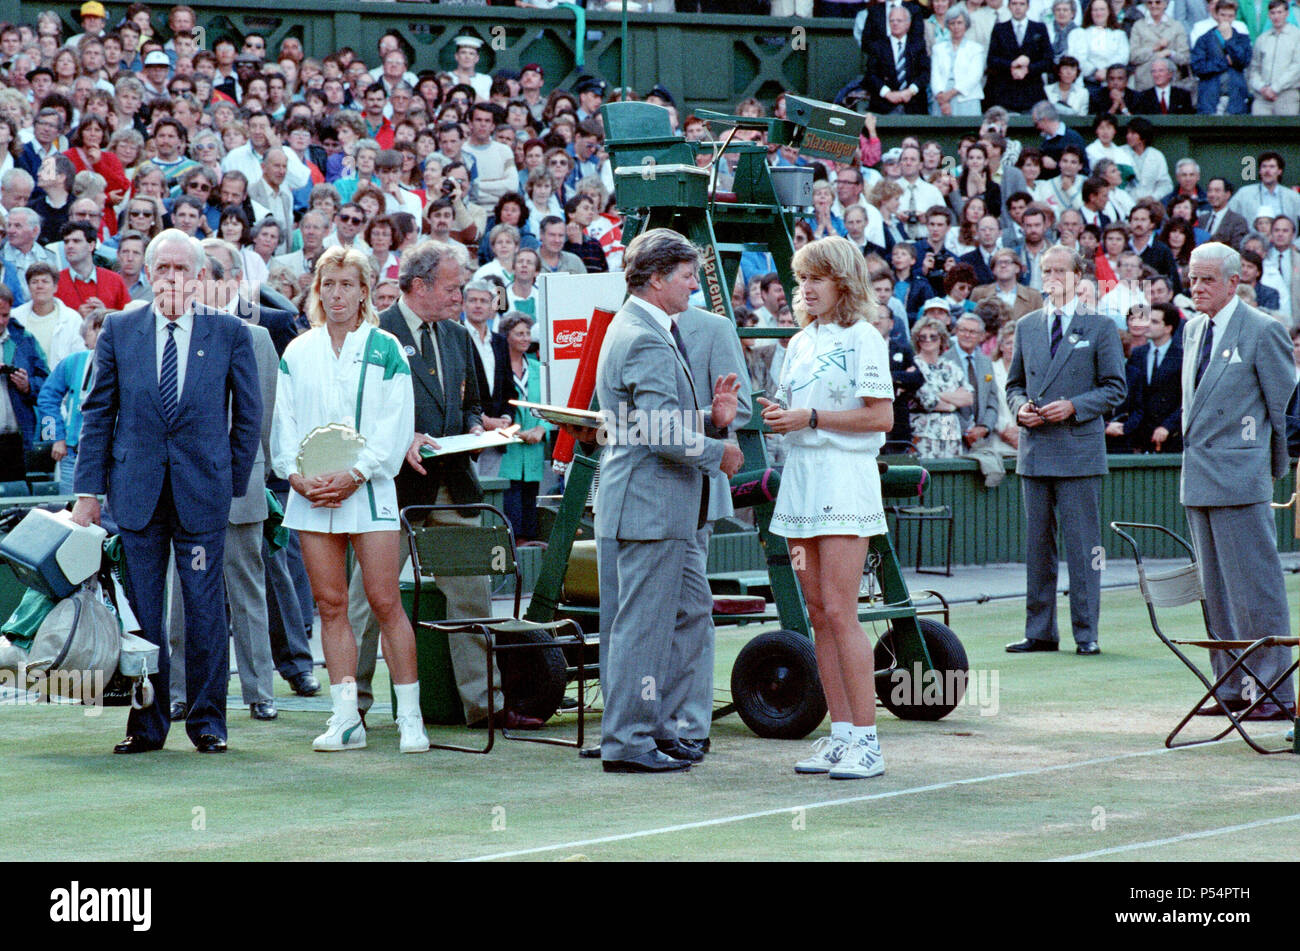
x=933, y=258
x=23, y=370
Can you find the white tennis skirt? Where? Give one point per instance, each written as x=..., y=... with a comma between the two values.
x=827, y=491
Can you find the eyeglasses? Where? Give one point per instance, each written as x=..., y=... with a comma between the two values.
x=200, y=186
x=138, y=212
x=926, y=338
x=558, y=162
x=351, y=219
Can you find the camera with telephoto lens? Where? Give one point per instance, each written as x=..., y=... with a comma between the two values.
x=7, y=369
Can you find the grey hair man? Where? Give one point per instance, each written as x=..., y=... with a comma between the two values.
x=650, y=506
x=448, y=402
x=1238, y=376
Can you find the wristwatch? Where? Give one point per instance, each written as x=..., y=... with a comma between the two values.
x=812, y=420
x=357, y=478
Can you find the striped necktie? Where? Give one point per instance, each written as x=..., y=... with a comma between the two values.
x=167, y=379
x=1057, y=332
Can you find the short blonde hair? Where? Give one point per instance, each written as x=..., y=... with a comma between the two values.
x=944, y=340
x=341, y=257
x=837, y=259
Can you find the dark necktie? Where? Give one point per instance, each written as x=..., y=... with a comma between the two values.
x=430, y=355
x=1207, y=347
x=167, y=379
x=1155, y=363
x=1164, y=103
x=1057, y=332
x=681, y=347
x=970, y=371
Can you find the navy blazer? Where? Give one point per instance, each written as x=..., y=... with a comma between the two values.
x=1158, y=402
x=27, y=356
x=1017, y=95
x=127, y=446
x=880, y=73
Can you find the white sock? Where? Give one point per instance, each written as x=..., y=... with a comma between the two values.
x=343, y=697
x=842, y=731
x=867, y=733
x=408, y=699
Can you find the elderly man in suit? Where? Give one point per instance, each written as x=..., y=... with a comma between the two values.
x=1237, y=378
x=898, y=68
x=244, y=570
x=447, y=403
x=650, y=507
x=169, y=432
x=1224, y=225
x=981, y=417
x=1020, y=52
x=1066, y=372
x=715, y=356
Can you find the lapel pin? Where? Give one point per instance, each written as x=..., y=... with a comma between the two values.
x=199, y=354
x=410, y=351
x=1226, y=354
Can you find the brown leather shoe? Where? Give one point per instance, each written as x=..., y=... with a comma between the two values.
x=1268, y=711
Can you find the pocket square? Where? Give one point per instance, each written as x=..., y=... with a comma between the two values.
x=1236, y=356
x=1082, y=343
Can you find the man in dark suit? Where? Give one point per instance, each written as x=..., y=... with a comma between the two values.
x=1019, y=53
x=898, y=68
x=169, y=432
x=447, y=403
x=875, y=22
x=987, y=233
x=1154, y=253
x=1067, y=371
x=1237, y=378
x=46, y=129
x=1114, y=98
x=1224, y=225
x=496, y=387
x=1155, y=419
x=1164, y=98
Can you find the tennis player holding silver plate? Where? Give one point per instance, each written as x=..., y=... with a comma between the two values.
x=344, y=414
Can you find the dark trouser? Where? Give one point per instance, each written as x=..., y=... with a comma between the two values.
x=1074, y=502
x=199, y=562
x=13, y=460
x=520, y=505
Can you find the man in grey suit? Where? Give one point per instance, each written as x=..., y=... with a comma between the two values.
x=1223, y=224
x=981, y=417
x=650, y=506
x=1238, y=376
x=716, y=359
x=1067, y=370
x=243, y=569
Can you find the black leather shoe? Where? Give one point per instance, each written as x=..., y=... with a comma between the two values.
x=304, y=684
x=679, y=750
x=178, y=712
x=589, y=752
x=701, y=746
x=133, y=744
x=207, y=743
x=651, y=762
x=263, y=710
x=1029, y=646
x=1268, y=711
x=1088, y=650
x=1218, y=708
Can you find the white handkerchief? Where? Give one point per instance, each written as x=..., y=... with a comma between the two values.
x=1236, y=356
x=1082, y=343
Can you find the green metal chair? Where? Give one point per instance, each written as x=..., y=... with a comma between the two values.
x=487, y=550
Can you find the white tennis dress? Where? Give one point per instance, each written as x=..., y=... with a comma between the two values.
x=367, y=386
x=830, y=484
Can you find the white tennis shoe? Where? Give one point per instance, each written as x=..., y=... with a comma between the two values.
x=826, y=753
x=342, y=732
x=413, y=737
x=862, y=760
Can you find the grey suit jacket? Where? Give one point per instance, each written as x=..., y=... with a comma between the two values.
x=1234, y=423
x=653, y=468
x=280, y=204
x=713, y=349
x=251, y=506
x=1232, y=230
x=984, y=411
x=1088, y=370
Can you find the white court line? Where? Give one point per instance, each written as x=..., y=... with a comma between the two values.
x=1185, y=837
x=726, y=820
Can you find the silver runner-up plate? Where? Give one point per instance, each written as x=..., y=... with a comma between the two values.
x=332, y=448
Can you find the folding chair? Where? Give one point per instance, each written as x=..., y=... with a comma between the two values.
x=1179, y=586
x=474, y=550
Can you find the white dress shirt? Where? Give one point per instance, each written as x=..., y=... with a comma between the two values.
x=487, y=356
x=1278, y=268
x=184, y=334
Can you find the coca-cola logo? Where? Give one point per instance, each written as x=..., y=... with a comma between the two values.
x=568, y=336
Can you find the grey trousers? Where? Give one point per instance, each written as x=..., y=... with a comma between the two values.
x=469, y=597
x=246, y=600
x=640, y=641
x=688, y=695
x=1245, y=594
x=1073, y=503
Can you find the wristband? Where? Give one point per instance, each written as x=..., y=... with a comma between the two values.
x=812, y=420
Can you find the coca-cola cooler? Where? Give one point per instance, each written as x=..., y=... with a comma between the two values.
x=564, y=306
